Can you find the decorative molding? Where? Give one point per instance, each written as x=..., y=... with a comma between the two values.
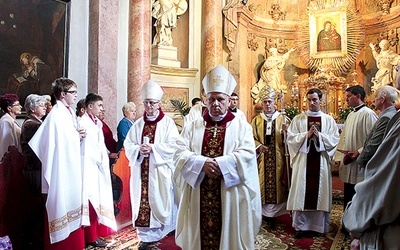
x=252, y=44
x=276, y=13
x=169, y=71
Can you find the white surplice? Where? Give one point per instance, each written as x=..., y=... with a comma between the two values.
x=240, y=190
x=161, y=168
x=356, y=129
x=298, y=149
x=240, y=114
x=57, y=145
x=96, y=172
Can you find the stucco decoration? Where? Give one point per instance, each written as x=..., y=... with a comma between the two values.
x=338, y=20
x=230, y=24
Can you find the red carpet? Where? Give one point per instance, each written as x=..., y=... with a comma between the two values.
x=168, y=243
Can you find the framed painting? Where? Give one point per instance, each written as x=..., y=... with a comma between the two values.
x=173, y=93
x=33, y=45
x=328, y=33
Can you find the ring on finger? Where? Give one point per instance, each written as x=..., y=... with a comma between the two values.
x=212, y=170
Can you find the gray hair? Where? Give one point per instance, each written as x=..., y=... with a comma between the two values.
x=388, y=92
x=47, y=97
x=127, y=106
x=33, y=101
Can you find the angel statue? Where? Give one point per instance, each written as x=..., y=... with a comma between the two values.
x=270, y=73
x=386, y=61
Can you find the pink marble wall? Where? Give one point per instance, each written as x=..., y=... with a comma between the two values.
x=103, y=55
x=211, y=35
x=139, y=50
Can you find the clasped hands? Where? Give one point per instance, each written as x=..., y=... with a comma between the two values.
x=313, y=132
x=262, y=149
x=211, y=168
x=145, y=149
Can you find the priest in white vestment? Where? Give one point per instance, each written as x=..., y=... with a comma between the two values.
x=216, y=172
x=149, y=146
x=57, y=145
x=233, y=103
x=312, y=140
x=356, y=129
x=96, y=174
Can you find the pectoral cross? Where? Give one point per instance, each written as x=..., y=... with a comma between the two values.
x=215, y=130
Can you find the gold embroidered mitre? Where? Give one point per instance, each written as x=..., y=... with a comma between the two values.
x=219, y=79
x=267, y=92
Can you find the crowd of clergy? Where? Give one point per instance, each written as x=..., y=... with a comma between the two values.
x=214, y=182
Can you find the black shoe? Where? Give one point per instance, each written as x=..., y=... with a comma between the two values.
x=272, y=223
x=172, y=233
x=344, y=231
x=299, y=234
x=144, y=245
x=99, y=243
x=312, y=234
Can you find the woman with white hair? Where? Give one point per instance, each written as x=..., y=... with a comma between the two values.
x=35, y=106
x=129, y=111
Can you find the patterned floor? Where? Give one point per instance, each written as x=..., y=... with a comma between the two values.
x=282, y=237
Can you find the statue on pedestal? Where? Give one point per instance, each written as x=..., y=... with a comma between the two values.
x=166, y=13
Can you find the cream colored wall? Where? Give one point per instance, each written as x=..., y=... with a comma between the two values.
x=78, y=46
x=78, y=51
x=245, y=66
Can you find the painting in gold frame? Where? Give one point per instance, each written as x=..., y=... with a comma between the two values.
x=328, y=33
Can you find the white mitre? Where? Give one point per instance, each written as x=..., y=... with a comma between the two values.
x=219, y=79
x=151, y=90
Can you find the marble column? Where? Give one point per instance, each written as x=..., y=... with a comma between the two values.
x=212, y=35
x=103, y=53
x=139, y=52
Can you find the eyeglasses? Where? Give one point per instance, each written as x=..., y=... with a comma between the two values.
x=16, y=104
x=151, y=103
x=234, y=99
x=73, y=92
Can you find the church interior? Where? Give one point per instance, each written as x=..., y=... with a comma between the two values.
x=113, y=47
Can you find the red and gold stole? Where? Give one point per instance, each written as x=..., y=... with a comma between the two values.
x=149, y=130
x=313, y=169
x=210, y=189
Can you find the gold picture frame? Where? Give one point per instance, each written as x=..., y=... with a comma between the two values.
x=34, y=45
x=348, y=25
x=328, y=33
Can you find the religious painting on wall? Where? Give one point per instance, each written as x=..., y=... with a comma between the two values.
x=33, y=48
x=174, y=93
x=328, y=33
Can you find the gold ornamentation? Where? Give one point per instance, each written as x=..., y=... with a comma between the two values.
x=384, y=5
x=276, y=13
x=251, y=42
x=338, y=62
x=217, y=81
